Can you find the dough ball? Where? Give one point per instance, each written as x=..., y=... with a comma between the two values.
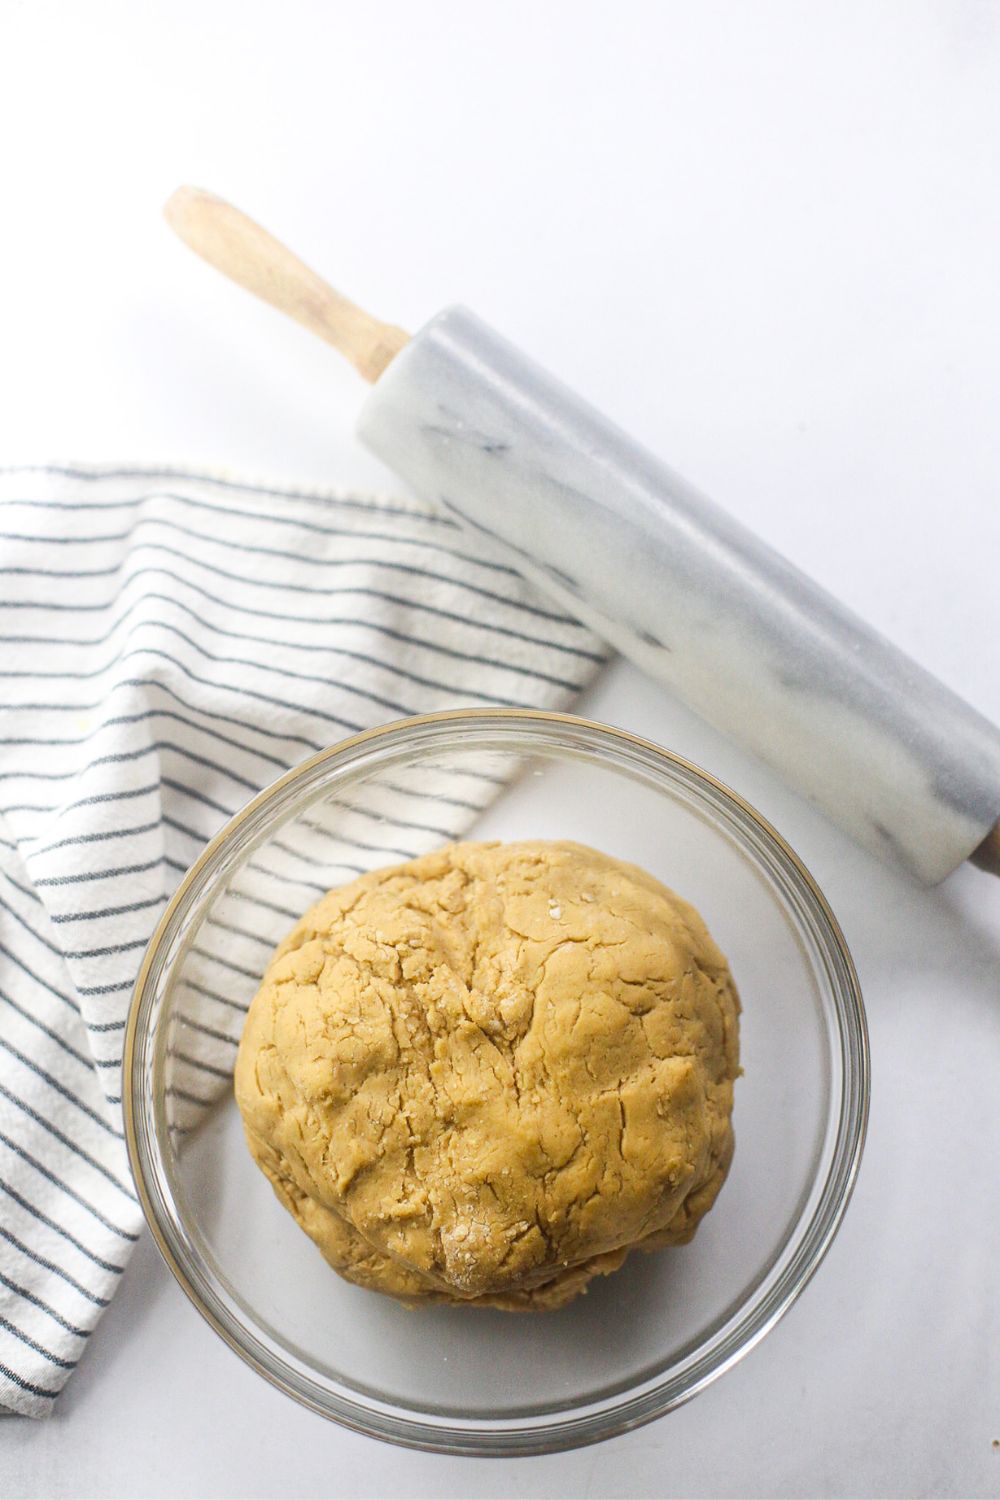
x=486, y=1075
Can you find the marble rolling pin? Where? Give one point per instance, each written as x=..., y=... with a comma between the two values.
x=550, y=486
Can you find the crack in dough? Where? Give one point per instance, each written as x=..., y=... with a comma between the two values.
x=486, y=1075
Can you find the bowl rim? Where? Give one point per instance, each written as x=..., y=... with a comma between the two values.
x=514, y=1438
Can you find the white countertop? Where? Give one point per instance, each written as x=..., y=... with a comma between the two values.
x=766, y=239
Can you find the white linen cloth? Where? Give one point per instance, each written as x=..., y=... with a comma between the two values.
x=170, y=642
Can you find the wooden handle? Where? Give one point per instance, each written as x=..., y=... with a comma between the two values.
x=247, y=254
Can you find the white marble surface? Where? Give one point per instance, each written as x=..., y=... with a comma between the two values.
x=687, y=593
x=765, y=239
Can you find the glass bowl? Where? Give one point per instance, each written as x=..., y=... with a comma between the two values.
x=641, y=1341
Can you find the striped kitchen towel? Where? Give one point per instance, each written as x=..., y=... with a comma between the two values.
x=170, y=642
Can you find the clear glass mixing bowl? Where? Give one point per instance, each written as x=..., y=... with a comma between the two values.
x=641, y=1341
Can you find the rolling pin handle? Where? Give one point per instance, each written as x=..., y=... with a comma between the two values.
x=248, y=255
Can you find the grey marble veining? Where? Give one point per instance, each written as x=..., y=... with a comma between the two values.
x=676, y=584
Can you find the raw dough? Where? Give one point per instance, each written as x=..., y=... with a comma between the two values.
x=486, y=1075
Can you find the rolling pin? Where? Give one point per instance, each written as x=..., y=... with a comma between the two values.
x=548, y=485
